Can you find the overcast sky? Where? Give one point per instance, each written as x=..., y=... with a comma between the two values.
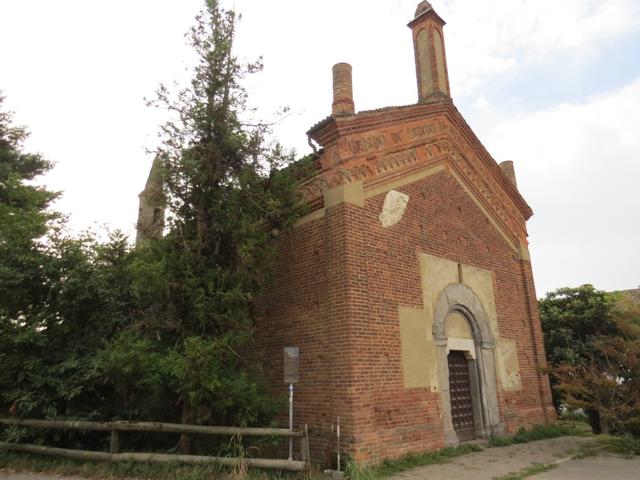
x=553, y=85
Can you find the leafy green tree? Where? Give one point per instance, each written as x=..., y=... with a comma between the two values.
x=572, y=319
x=608, y=382
x=594, y=354
x=48, y=351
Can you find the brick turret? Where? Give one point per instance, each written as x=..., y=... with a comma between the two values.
x=431, y=60
x=342, y=90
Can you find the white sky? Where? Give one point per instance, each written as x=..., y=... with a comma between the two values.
x=553, y=85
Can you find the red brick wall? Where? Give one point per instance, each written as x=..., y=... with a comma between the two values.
x=336, y=294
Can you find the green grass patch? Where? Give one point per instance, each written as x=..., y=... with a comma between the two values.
x=391, y=466
x=585, y=451
x=24, y=462
x=538, y=432
x=627, y=445
x=528, y=471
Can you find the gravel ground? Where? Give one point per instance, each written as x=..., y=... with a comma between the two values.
x=496, y=462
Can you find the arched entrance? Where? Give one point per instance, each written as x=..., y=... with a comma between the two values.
x=466, y=366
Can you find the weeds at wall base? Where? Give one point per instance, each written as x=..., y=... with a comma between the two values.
x=388, y=467
x=539, y=432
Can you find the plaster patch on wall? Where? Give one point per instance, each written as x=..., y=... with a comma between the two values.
x=481, y=282
x=415, y=355
x=393, y=208
x=419, y=354
x=508, y=365
x=435, y=273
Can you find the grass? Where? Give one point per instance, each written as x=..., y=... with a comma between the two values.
x=37, y=463
x=528, y=471
x=627, y=445
x=23, y=462
x=537, y=432
x=585, y=451
x=389, y=467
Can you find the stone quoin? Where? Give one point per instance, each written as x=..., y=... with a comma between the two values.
x=408, y=286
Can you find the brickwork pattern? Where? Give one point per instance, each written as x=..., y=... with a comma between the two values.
x=336, y=295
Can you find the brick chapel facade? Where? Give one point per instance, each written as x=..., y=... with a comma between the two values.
x=408, y=287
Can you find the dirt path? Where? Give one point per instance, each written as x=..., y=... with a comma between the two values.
x=496, y=462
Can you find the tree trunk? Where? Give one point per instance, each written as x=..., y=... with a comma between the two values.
x=604, y=425
x=185, y=439
x=594, y=420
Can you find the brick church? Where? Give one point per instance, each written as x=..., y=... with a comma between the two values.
x=408, y=287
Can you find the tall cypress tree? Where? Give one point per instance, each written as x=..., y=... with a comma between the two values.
x=228, y=196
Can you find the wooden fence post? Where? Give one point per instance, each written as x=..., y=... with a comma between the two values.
x=185, y=444
x=307, y=455
x=115, y=442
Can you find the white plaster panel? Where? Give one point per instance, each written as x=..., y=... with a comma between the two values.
x=395, y=203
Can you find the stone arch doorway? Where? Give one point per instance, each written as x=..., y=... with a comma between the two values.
x=459, y=312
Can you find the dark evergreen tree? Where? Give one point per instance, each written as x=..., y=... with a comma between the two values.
x=60, y=297
x=24, y=220
x=228, y=197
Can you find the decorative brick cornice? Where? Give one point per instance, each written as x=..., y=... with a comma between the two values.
x=370, y=136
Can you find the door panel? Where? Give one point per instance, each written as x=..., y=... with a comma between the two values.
x=460, y=393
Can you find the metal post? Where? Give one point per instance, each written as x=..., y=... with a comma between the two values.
x=291, y=420
x=338, y=434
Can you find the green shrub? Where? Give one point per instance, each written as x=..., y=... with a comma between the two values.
x=632, y=426
x=626, y=445
x=354, y=471
x=500, y=441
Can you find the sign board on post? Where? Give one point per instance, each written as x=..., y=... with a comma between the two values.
x=291, y=365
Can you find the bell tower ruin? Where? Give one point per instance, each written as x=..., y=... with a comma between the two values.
x=152, y=205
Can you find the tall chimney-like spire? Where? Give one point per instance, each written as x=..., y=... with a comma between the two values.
x=431, y=60
x=152, y=205
x=342, y=90
x=509, y=171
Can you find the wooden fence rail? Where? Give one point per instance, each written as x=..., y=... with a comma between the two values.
x=125, y=426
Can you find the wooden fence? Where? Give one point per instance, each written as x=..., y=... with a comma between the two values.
x=123, y=426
